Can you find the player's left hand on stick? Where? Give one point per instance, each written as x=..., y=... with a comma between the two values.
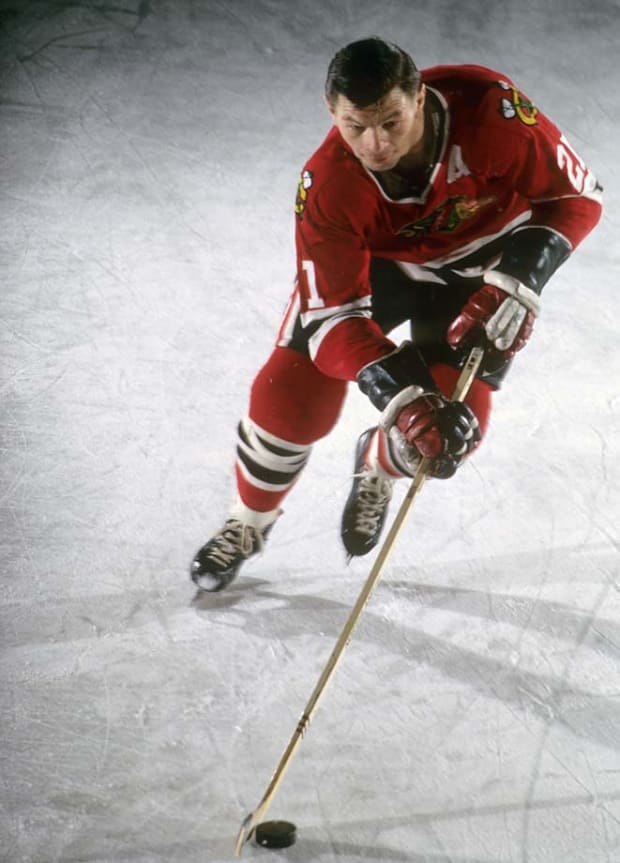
x=444, y=431
x=418, y=420
x=503, y=310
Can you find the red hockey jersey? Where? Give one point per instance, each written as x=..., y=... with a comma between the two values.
x=501, y=164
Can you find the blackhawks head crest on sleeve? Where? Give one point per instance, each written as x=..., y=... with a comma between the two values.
x=305, y=183
x=516, y=105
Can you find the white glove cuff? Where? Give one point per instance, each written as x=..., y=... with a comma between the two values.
x=387, y=418
x=526, y=296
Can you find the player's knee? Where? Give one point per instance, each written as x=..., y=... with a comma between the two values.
x=293, y=400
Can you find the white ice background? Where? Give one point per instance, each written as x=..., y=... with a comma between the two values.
x=149, y=155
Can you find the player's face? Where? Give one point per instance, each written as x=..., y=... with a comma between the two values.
x=382, y=134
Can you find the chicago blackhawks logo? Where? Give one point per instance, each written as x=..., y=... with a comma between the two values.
x=446, y=217
x=516, y=105
x=305, y=183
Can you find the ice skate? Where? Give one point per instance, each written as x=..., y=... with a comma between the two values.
x=218, y=562
x=366, y=508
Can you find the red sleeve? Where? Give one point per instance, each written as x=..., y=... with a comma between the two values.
x=530, y=153
x=333, y=264
x=566, y=196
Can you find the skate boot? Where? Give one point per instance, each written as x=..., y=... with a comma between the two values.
x=217, y=563
x=367, y=505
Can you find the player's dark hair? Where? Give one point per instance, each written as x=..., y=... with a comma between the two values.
x=365, y=71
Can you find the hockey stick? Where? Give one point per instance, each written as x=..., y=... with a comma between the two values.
x=251, y=822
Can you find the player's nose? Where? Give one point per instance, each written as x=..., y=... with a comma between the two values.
x=374, y=141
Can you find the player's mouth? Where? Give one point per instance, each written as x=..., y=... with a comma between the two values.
x=380, y=163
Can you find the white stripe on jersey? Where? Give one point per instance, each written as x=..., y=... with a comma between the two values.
x=321, y=314
x=546, y=228
x=287, y=327
x=314, y=342
x=418, y=273
x=477, y=244
x=595, y=194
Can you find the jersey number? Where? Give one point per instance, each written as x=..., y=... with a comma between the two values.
x=570, y=162
x=314, y=300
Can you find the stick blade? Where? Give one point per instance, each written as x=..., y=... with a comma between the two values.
x=246, y=831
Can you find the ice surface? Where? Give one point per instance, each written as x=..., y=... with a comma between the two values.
x=149, y=157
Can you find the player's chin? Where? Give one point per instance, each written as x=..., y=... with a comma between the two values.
x=383, y=163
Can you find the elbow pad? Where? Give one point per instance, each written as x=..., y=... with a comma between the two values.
x=384, y=379
x=532, y=255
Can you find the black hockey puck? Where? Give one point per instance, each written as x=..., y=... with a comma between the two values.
x=275, y=834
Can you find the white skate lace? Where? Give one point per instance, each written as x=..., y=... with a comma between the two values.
x=235, y=538
x=373, y=494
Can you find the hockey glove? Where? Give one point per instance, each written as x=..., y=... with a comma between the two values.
x=441, y=430
x=504, y=310
x=417, y=419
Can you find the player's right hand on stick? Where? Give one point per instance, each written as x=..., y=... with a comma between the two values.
x=503, y=311
x=441, y=430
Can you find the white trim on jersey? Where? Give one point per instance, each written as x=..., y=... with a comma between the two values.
x=328, y=312
x=314, y=342
x=287, y=328
x=477, y=272
x=477, y=244
x=424, y=272
x=595, y=195
x=419, y=273
x=546, y=228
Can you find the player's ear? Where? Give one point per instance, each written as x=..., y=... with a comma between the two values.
x=329, y=106
x=421, y=97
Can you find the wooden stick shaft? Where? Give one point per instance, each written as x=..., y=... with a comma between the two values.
x=254, y=818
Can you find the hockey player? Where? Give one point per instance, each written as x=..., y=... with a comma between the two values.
x=443, y=198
